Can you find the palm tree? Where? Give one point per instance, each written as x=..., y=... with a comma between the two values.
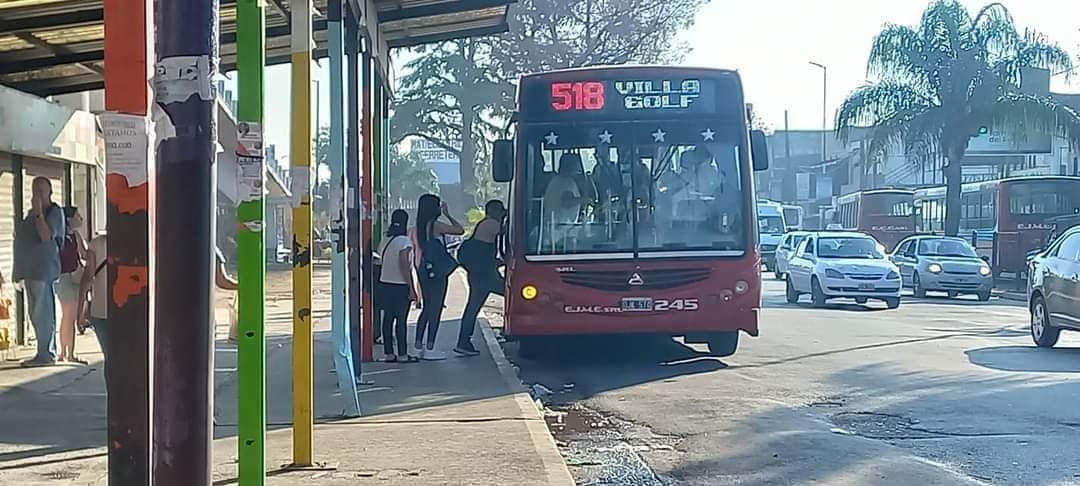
x=935, y=85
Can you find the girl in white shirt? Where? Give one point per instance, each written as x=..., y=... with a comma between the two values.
x=397, y=287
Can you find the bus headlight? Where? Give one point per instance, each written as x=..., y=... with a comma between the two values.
x=934, y=268
x=741, y=287
x=984, y=271
x=529, y=292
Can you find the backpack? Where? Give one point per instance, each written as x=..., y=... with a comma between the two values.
x=69, y=254
x=437, y=262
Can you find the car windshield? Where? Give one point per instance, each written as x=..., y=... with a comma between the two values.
x=946, y=248
x=849, y=247
x=770, y=225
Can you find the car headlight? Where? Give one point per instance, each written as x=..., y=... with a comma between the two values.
x=984, y=271
x=830, y=273
x=934, y=268
x=892, y=275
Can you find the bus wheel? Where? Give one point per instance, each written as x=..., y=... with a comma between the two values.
x=917, y=287
x=984, y=296
x=816, y=293
x=778, y=275
x=724, y=343
x=892, y=302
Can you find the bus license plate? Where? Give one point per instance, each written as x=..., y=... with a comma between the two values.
x=866, y=286
x=637, y=304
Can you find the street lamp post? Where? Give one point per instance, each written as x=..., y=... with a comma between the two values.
x=824, y=104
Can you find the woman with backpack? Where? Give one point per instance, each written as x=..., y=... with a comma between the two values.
x=434, y=269
x=72, y=259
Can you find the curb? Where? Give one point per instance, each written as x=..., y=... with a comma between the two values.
x=557, y=472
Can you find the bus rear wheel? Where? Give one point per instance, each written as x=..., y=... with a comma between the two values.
x=724, y=343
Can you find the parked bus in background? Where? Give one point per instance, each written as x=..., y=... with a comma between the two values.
x=1004, y=218
x=886, y=214
x=793, y=217
x=771, y=228
x=632, y=206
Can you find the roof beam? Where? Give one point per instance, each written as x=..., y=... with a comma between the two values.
x=35, y=63
x=445, y=36
x=57, y=50
x=442, y=8
x=41, y=22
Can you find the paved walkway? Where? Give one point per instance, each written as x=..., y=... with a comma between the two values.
x=459, y=421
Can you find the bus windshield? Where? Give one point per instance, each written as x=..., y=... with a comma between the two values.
x=770, y=225
x=628, y=188
x=888, y=204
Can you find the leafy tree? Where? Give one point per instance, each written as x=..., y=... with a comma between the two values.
x=409, y=176
x=934, y=85
x=459, y=93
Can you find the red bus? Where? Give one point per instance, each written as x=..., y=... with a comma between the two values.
x=632, y=206
x=886, y=214
x=1005, y=218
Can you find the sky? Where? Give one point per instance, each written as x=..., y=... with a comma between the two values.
x=771, y=43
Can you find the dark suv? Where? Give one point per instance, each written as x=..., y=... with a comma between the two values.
x=1054, y=289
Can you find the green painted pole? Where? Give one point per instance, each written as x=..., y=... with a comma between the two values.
x=251, y=337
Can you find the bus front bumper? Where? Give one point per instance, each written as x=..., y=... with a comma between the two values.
x=714, y=314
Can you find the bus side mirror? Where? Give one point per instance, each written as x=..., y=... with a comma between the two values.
x=502, y=160
x=759, y=150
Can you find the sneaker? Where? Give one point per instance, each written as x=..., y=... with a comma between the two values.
x=432, y=355
x=36, y=362
x=466, y=351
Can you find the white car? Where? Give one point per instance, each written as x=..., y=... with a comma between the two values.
x=786, y=251
x=842, y=265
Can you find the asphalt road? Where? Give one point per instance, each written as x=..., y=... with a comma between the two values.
x=935, y=392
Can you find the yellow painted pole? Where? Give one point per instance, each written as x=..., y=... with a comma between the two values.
x=303, y=402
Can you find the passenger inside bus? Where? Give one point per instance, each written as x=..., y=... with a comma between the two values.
x=687, y=197
x=566, y=197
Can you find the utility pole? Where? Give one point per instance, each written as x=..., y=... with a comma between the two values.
x=303, y=374
x=824, y=105
x=187, y=62
x=129, y=53
x=251, y=338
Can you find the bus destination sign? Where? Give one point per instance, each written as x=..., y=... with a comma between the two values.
x=629, y=97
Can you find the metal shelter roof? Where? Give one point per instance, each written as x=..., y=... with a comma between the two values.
x=50, y=47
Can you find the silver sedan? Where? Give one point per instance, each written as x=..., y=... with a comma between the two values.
x=942, y=264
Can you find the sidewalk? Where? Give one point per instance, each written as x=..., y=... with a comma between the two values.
x=459, y=421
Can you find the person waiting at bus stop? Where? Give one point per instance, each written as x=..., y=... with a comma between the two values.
x=435, y=266
x=479, y=256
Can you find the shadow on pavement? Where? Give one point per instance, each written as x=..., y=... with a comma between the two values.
x=582, y=366
x=1026, y=359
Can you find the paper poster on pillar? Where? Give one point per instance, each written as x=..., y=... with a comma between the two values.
x=249, y=139
x=178, y=78
x=127, y=146
x=249, y=178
